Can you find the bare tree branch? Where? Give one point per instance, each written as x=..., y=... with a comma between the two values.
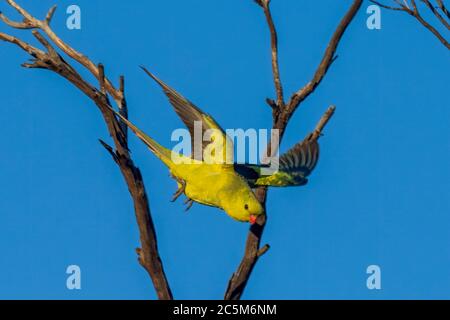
x=443, y=8
x=123, y=108
x=281, y=117
x=327, y=60
x=148, y=255
x=265, y=4
x=253, y=251
x=412, y=9
x=436, y=13
x=323, y=122
x=401, y=8
x=44, y=25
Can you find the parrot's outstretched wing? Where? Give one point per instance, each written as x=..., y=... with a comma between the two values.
x=191, y=114
x=294, y=166
x=164, y=154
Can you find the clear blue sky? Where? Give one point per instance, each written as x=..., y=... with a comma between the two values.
x=379, y=195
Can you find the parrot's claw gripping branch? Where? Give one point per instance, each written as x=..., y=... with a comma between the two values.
x=281, y=114
x=50, y=59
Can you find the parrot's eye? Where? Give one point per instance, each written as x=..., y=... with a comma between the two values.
x=246, y=206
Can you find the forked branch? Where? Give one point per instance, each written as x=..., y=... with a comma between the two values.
x=50, y=59
x=281, y=115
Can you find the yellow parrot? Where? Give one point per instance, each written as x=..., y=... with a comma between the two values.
x=208, y=178
x=211, y=177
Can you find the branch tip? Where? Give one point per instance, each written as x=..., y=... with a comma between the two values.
x=260, y=3
x=109, y=149
x=101, y=78
x=323, y=122
x=122, y=84
x=263, y=250
x=272, y=103
x=49, y=16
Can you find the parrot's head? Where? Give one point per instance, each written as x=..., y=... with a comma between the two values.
x=253, y=209
x=245, y=207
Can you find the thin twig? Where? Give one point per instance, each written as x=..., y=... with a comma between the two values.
x=387, y=7
x=443, y=8
x=123, y=108
x=265, y=4
x=415, y=12
x=436, y=13
x=430, y=28
x=263, y=250
x=323, y=122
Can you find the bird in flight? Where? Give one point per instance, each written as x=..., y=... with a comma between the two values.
x=211, y=177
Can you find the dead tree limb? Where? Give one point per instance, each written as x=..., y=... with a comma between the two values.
x=439, y=10
x=274, y=45
x=281, y=114
x=50, y=59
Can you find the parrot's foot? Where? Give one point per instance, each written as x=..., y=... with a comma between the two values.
x=189, y=203
x=180, y=190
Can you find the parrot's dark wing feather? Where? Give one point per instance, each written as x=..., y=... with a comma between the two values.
x=250, y=173
x=189, y=114
x=301, y=159
x=294, y=166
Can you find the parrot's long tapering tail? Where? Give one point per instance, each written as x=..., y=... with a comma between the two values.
x=161, y=152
